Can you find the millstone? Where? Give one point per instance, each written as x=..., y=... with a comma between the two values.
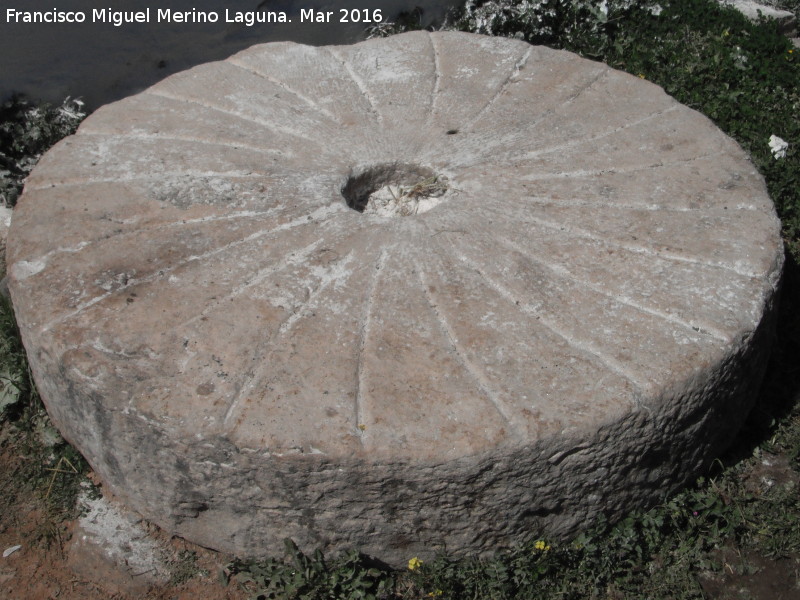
x=435, y=291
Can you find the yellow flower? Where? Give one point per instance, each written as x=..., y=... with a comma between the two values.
x=434, y=594
x=641, y=76
x=541, y=546
x=414, y=564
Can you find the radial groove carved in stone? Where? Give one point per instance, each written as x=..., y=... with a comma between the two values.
x=431, y=291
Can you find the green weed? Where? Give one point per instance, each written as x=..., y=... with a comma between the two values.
x=185, y=567
x=27, y=130
x=304, y=577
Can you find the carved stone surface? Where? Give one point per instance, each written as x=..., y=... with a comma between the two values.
x=435, y=291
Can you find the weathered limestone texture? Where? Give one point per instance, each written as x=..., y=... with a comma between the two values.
x=787, y=23
x=435, y=291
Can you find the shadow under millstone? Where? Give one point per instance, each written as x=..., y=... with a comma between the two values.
x=780, y=390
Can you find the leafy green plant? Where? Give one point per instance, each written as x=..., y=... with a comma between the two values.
x=26, y=131
x=18, y=393
x=184, y=567
x=305, y=577
x=21, y=404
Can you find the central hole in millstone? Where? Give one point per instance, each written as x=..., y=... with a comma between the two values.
x=394, y=189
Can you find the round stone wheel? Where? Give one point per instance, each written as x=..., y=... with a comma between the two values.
x=431, y=292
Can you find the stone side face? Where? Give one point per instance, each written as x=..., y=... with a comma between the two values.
x=240, y=502
x=567, y=312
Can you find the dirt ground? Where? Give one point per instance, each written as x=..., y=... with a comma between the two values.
x=38, y=573
x=55, y=562
x=747, y=575
x=763, y=579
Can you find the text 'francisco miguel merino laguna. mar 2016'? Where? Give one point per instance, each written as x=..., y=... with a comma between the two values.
x=119, y=18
